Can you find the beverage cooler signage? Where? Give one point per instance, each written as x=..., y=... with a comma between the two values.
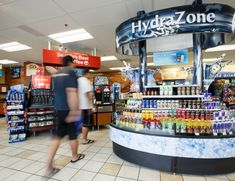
x=170, y=57
x=53, y=57
x=18, y=88
x=207, y=18
x=41, y=82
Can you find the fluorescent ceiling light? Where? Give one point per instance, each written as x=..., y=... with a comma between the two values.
x=13, y=47
x=71, y=36
x=117, y=68
x=108, y=58
x=6, y=61
x=221, y=48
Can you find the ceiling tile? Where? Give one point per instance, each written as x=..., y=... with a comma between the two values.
x=81, y=5
x=32, y=10
x=55, y=25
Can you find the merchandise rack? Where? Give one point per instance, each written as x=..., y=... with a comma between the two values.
x=16, y=114
x=40, y=115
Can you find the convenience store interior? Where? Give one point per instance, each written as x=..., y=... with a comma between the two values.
x=31, y=22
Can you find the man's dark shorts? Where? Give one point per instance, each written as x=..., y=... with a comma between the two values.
x=62, y=128
x=87, y=118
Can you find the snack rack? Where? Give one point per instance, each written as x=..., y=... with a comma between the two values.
x=15, y=116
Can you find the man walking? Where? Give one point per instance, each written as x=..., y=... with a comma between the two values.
x=85, y=104
x=66, y=105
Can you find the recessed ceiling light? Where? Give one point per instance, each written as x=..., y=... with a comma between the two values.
x=221, y=48
x=6, y=61
x=118, y=68
x=13, y=47
x=108, y=58
x=71, y=36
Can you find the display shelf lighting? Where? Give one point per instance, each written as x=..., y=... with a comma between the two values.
x=150, y=64
x=221, y=48
x=209, y=59
x=108, y=58
x=6, y=61
x=14, y=46
x=71, y=36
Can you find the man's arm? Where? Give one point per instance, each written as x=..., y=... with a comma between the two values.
x=51, y=70
x=72, y=100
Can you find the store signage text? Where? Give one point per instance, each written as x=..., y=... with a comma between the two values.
x=178, y=19
x=81, y=60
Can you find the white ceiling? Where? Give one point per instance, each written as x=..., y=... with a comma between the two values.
x=31, y=21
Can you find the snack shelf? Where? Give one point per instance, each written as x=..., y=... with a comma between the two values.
x=173, y=96
x=16, y=121
x=40, y=112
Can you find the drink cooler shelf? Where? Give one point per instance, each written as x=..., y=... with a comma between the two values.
x=158, y=86
x=173, y=96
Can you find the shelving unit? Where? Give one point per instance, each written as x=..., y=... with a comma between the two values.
x=40, y=116
x=173, y=96
x=16, y=114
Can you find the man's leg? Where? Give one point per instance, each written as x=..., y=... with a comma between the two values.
x=74, y=148
x=84, y=134
x=54, y=147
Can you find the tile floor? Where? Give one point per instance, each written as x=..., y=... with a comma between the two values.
x=26, y=161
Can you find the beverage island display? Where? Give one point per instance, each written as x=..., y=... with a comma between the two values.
x=176, y=128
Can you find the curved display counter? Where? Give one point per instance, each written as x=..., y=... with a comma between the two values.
x=175, y=153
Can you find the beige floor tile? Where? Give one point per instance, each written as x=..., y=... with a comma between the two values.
x=6, y=150
x=25, y=154
x=193, y=178
x=14, y=152
x=18, y=176
x=124, y=179
x=100, y=157
x=42, y=171
x=170, y=177
x=149, y=174
x=44, y=159
x=83, y=175
x=94, y=148
x=88, y=154
x=222, y=176
x=79, y=164
x=10, y=161
x=126, y=163
x=35, y=178
x=62, y=161
x=92, y=166
x=21, y=164
x=214, y=179
x=6, y=172
x=129, y=172
x=102, y=177
x=99, y=143
x=115, y=159
x=65, y=174
x=110, y=169
x=4, y=157
x=109, y=145
x=37, y=156
x=231, y=176
x=62, y=151
x=34, y=168
x=106, y=150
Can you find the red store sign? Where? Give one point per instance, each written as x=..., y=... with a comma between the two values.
x=53, y=57
x=41, y=82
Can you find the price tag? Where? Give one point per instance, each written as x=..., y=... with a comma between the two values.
x=197, y=134
x=215, y=134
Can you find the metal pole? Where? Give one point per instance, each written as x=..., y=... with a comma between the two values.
x=197, y=65
x=49, y=45
x=142, y=65
x=197, y=54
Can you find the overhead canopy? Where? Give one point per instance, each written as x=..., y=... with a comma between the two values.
x=215, y=21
